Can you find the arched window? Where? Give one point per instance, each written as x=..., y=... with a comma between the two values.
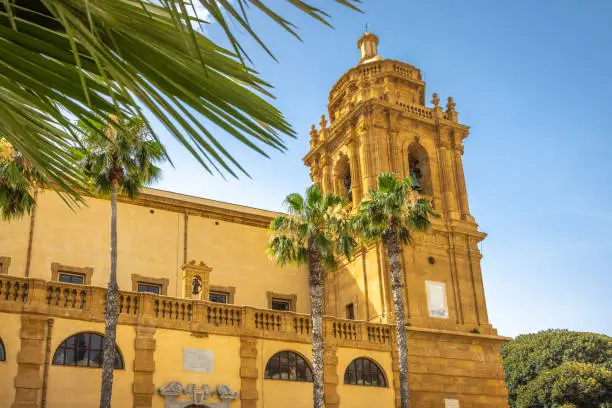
x=2, y=351
x=84, y=350
x=418, y=167
x=344, y=181
x=287, y=365
x=363, y=371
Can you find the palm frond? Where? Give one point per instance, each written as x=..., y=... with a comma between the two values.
x=83, y=59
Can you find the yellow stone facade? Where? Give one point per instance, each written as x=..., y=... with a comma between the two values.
x=378, y=121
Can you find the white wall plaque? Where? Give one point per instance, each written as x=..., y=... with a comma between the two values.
x=451, y=403
x=436, y=299
x=198, y=361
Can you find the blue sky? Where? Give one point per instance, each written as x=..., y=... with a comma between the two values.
x=531, y=79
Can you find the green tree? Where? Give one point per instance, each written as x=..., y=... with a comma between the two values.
x=530, y=355
x=314, y=232
x=572, y=384
x=83, y=59
x=19, y=183
x=391, y=216
x=120, y=159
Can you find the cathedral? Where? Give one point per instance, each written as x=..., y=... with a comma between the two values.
x=207, y=320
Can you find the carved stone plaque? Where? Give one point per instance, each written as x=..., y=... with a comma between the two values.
x=451, y=403
x=198, y=360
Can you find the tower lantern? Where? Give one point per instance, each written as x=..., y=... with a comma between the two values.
x=368, y=47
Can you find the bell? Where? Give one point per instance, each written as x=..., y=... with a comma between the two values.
x=415, y=182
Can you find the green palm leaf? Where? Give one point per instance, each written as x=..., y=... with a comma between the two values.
x=80, y=59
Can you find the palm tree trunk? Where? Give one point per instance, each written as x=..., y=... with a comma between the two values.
x=392, y=244
x=111, y=315
x=315, y=280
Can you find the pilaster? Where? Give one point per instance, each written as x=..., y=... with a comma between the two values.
x=144, y=367
x=355, y=171
x=30, y=360
x=248, y=372
x=330, y=376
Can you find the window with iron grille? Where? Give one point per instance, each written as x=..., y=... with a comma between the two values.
x=84, y=350
x=288, y=365
x=363, y=371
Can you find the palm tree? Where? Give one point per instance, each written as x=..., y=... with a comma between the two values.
x=119, y=159
x=19, y=183
x=391, y=215
x=314, y=232
x=83, y=59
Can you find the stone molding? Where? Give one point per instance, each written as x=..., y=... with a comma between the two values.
x=177, y=396
x=56, y=268
x=161, y=282
x=5, y=262
x=292, y=299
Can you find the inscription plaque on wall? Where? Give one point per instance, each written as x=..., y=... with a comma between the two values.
x=198, y=360
x=451, y=403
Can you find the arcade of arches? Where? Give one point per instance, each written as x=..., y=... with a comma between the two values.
x=206, y=319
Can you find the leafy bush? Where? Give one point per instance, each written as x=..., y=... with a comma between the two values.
x=571, y=384
x=528, y=356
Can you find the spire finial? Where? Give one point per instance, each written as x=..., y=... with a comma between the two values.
x=367, y=27
x=435, y=99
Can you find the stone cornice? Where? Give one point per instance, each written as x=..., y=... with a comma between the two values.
x=205, y=208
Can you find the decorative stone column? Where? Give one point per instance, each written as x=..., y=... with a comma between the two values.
x=144, y=367
x=248, y=372
x=463, y=199
x=30, y=359
x=325, y=172
x=355, y=173
x=330, y=376
x=447, y=175
x=366, y=159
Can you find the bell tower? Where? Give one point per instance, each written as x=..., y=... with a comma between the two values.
x=378, y=120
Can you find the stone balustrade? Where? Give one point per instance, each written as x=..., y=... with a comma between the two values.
x=65, y=300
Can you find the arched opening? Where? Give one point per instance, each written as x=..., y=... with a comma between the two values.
x=2, y=351
x=419, y=169
x=344, y=183
x=363, y=371
x=288, y=365
x=84, y=350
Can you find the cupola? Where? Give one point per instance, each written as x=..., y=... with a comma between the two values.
x=368, y=47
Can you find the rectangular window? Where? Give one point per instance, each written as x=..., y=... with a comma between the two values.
x=436, y=299
x=350, y=311
x=282, y=305
x=149, y=288
x=71, y=278
x=218, y=297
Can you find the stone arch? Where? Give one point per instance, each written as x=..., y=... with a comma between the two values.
x=419, y=167
x=288, y=365
x=365, y=371
x=84, y=350
x=343, y=183
x=2, y=351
